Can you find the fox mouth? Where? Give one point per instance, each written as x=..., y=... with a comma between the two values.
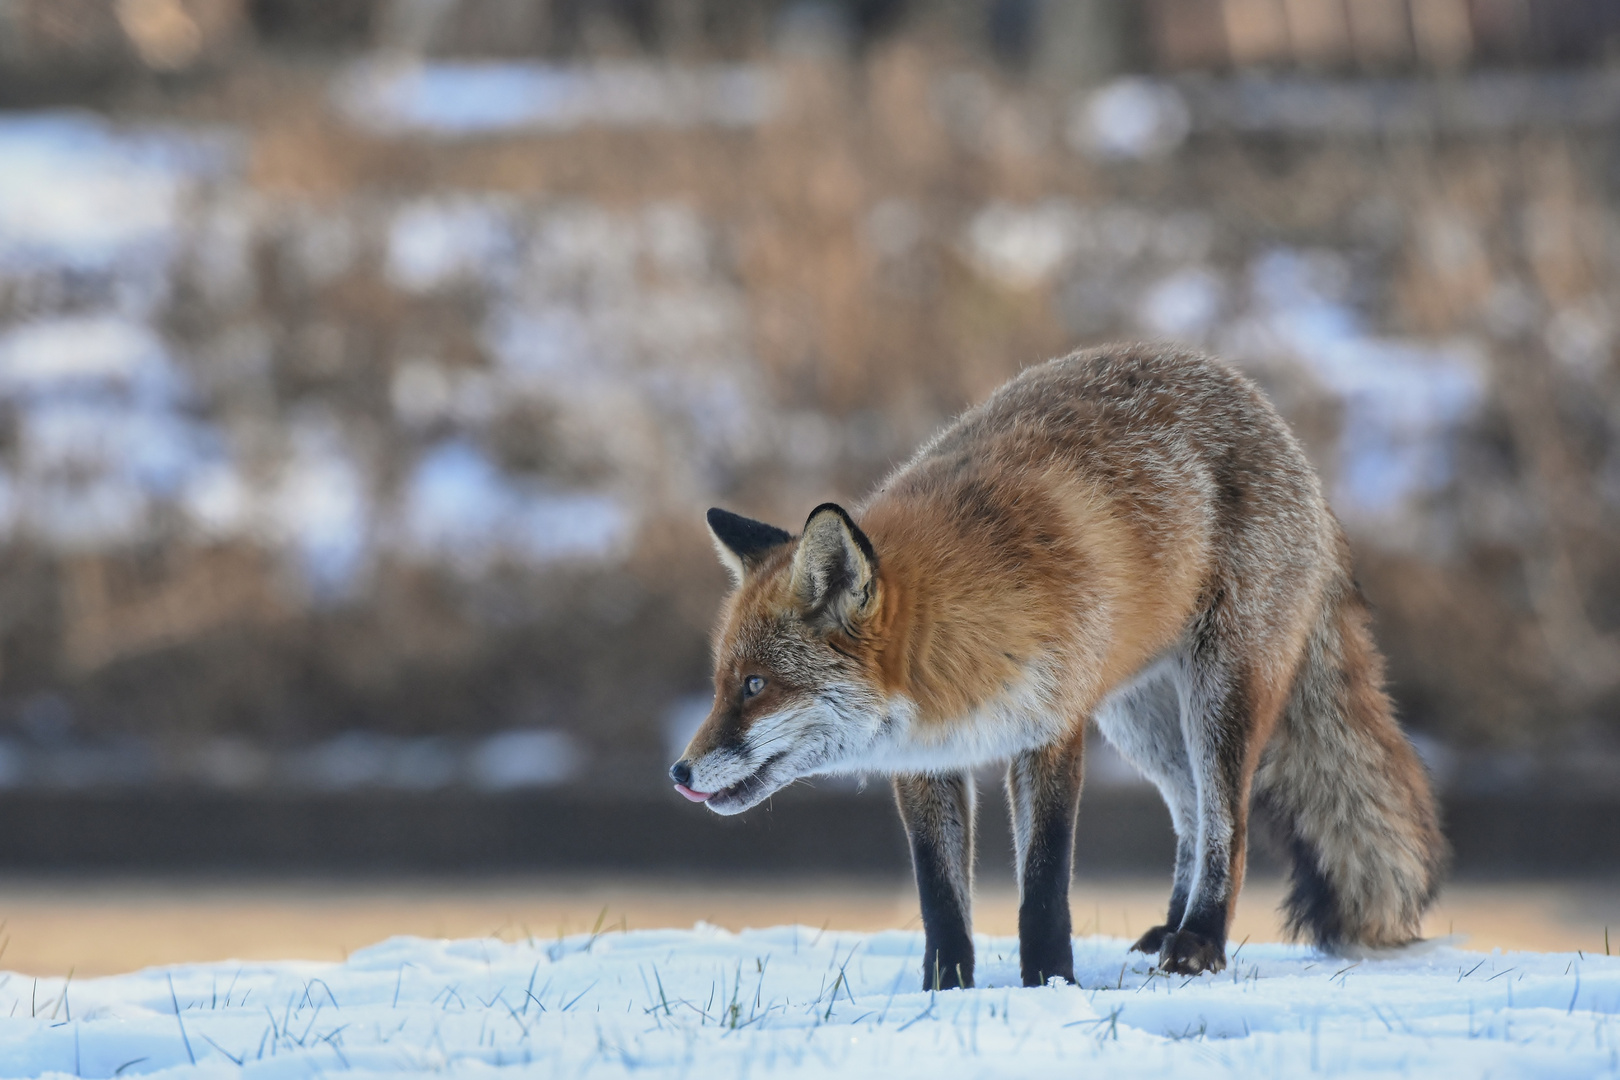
x=749, y=791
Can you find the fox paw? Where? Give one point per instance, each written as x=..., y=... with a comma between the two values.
x=1187, y=953
x=1152, y=941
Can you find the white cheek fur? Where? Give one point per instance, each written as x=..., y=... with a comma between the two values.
x=848, y=729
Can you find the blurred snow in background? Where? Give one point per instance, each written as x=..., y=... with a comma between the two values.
x=1130, y=118
x=472, y=98
x=81, y=192
x=91, y=219
x=430, y=372
x=1404, y=401
x=113, y=429
x=619, y=320
x=351, y=761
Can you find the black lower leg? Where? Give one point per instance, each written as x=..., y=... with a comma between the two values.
x=1045, y=790
x=938, y=814
x=948, y=941
x=1045, y=948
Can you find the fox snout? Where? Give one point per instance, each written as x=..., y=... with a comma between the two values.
x=726, y=771
x=711, y=766
x=681, y=773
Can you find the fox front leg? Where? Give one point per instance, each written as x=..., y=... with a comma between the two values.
x=938, y=815
x=1043, y=788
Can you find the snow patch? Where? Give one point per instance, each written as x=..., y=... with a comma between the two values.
x=1021, y=247
x=1130, y=118
x=436, y=241
x=797, y=1001
x=461, y=508
x=1403, y=400
x=320, y=508
x=525, y=759
x=479, y=98
x=102, y=431
x=1183, y=304
x=76, y=191
x=75, y=352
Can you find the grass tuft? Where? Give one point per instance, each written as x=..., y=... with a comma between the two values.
x=178, y=1020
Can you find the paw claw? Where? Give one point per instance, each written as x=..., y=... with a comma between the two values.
x=1187, y=953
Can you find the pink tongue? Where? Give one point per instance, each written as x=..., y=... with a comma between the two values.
x=694, y=796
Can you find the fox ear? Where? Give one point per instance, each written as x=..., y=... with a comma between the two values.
x=743, y=542
x=835, y=567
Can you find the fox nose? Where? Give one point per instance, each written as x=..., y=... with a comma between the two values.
x=681, y=772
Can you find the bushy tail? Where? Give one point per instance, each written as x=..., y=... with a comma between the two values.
x=1349, y=797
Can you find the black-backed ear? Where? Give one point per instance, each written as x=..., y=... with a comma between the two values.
x=835, y=568
x=743, y=542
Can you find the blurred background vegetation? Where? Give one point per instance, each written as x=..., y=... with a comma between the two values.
x=366, y=365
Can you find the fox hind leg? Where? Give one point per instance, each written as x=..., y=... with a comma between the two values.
x=1043, y=788
x=1224, y=720
x=938, y=815
x=1144, y=724
x=1186, y=826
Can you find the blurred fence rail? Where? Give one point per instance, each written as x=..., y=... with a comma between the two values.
x=1379, y=35
x=91, y=44
x=569, y=833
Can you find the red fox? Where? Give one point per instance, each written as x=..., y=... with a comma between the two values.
x=1130, y=536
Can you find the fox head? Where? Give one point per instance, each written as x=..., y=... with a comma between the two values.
x=795, y=690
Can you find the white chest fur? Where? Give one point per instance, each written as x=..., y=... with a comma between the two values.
x=1023, y=717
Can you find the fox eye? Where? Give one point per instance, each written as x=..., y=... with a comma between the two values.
x=752, y=685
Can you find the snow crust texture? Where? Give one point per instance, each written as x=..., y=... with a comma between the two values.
x=794, y=1001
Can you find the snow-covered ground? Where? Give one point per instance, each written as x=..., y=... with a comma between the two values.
x=794, y=1001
